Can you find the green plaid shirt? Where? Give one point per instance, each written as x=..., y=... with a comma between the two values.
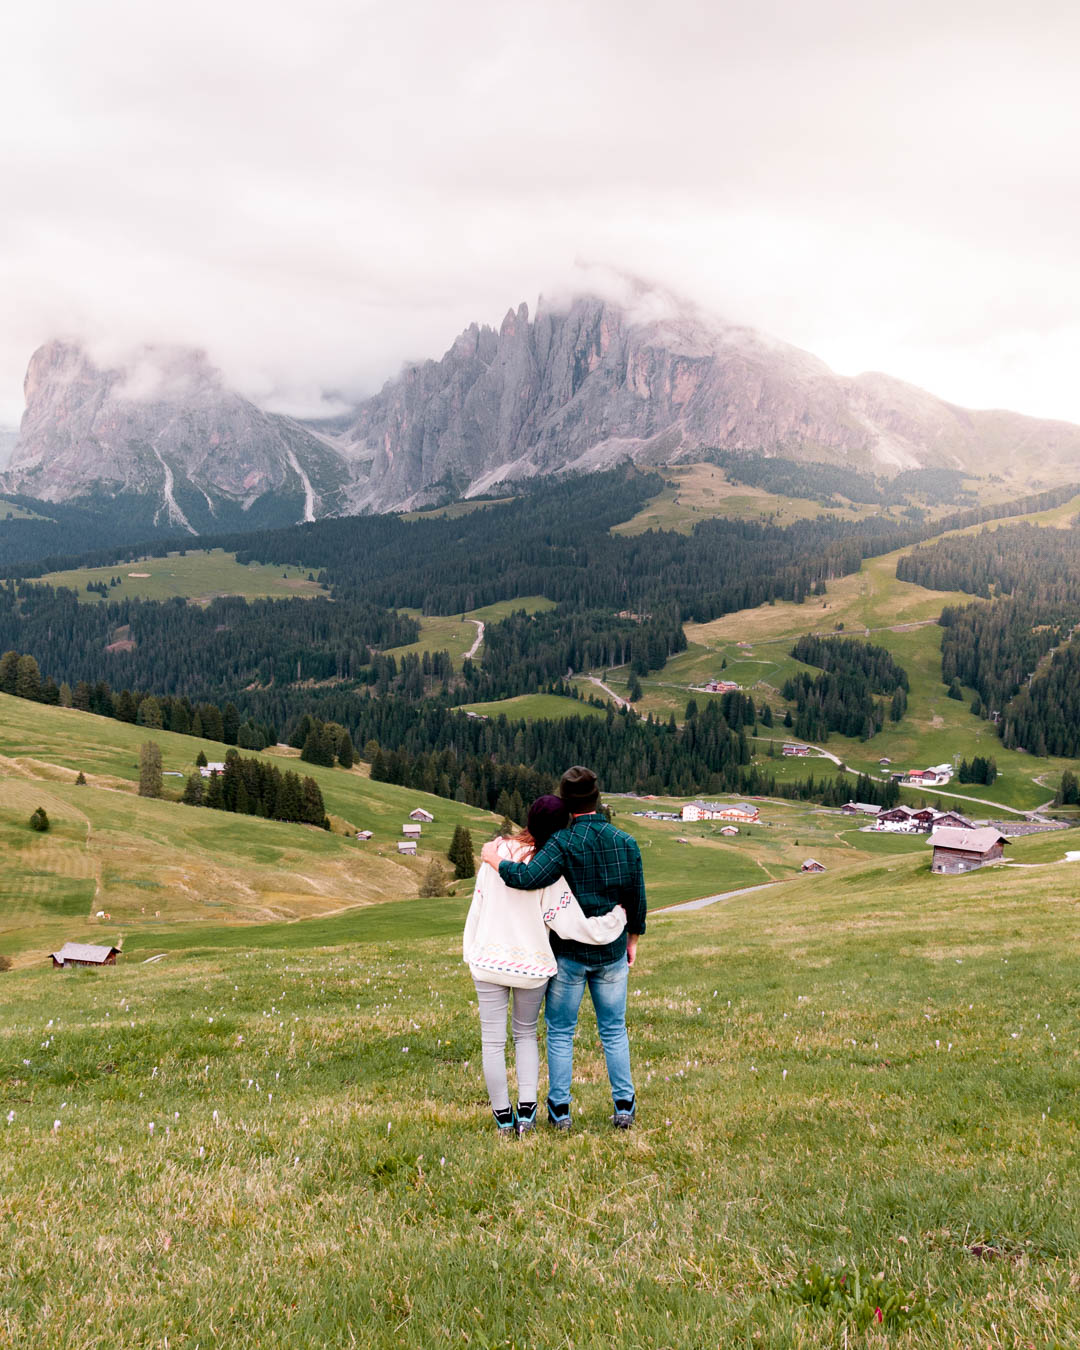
x=603, y=866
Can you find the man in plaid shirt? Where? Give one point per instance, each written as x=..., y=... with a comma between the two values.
x=603, y=867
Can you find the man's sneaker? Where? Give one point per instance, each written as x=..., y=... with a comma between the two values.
x=505, y=1122
x=624, y=1114
x=526, y=1118
x=558, y=1117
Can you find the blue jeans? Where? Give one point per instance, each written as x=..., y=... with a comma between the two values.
x=607, y=988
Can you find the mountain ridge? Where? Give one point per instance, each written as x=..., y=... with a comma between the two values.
x=580, y=385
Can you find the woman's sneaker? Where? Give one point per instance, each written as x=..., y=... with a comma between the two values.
x=506, y=1122
x=624, y=1114
x=526, y=1118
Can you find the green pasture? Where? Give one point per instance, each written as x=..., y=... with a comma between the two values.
x=200, y=575
x=456, y=634
x=694, y=492
x=536, y=707
x=278, y=1137
x=12, y=511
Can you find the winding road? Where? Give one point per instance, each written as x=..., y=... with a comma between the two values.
x=479, y=639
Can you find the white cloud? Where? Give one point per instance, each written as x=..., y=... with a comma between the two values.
x=315, y=194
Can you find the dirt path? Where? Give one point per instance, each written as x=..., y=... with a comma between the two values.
x=707, y=900
x=619, y=702
x=479, y=639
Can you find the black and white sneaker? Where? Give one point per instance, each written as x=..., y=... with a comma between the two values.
x=526, y=1118
x=624, y=1114
x=506, y=1122
x=558, y=1116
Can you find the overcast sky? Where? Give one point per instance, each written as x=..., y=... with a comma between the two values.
x=319, y=191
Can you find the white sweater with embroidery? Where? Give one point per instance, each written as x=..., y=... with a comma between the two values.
x=506, y=933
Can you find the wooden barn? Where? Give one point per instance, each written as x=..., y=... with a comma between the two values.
x=965, y=850
x=411, y=831
x=73, y=954
x=407, y=846
x=424, y=817
x=812, y=865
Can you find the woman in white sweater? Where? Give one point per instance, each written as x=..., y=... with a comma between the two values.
x=507, y=949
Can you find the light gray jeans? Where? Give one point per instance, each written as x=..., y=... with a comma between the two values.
x=493, y=1000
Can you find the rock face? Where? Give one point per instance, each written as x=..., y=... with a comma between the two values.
x=593, y=383
x=579, y=386
x=165, y=432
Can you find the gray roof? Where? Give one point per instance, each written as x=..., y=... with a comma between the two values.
x=83, y=951
x=973, y=841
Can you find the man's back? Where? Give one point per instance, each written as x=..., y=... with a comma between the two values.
x=603, y=866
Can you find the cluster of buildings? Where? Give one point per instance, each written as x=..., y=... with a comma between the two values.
x=937, y=776
x=741, y=812
x=412, y=830
x=720, y=687
x=907, y=819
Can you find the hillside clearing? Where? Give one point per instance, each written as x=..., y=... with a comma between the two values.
x=197, y=575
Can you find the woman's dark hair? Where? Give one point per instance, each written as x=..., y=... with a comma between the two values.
x=547, y=815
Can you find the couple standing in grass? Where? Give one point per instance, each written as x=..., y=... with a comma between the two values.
x=557, y=908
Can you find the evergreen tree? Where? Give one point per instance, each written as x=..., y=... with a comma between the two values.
x=39, y=820
x=214, y=796
x=633, y=691
x=65, y=694
x=201, y=760
x=80, y=781
x=346, y=754
x=194, y=790
x=149, y=714
x=27, y=679
x=455, y=845
x=507, y=829
x=150, y=780
x=9, y=665
x=465, y=862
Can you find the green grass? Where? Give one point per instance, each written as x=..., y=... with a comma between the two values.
x=12, y=511
x=200, y=575
x=456, y=634
x=876, y=1069
x=532, y=707
x=150, y=864
x=695, y=492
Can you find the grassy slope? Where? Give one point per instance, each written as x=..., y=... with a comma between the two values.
x=880, y=1068
x=200, y=576
x=698, y=491
x=157, y=862
x=156, y=865
x=456, y=634
x=550, y=707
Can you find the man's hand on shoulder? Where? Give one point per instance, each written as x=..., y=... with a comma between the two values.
x=490, y=854
x=631, y=948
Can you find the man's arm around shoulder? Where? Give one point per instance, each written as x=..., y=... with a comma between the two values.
x=542, y=869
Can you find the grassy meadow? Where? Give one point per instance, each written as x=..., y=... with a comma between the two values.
x=456, y=634
x=151, y=865
x=200, y=575
x=536, y=707
x=278, y=1137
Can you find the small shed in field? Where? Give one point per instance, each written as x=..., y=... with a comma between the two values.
x=73, y=954
x=729, y=830
x=424, y=817
x=965, y=850
x=407, y=846
x=812, y=865
x=365, y=834
x=411, y=831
